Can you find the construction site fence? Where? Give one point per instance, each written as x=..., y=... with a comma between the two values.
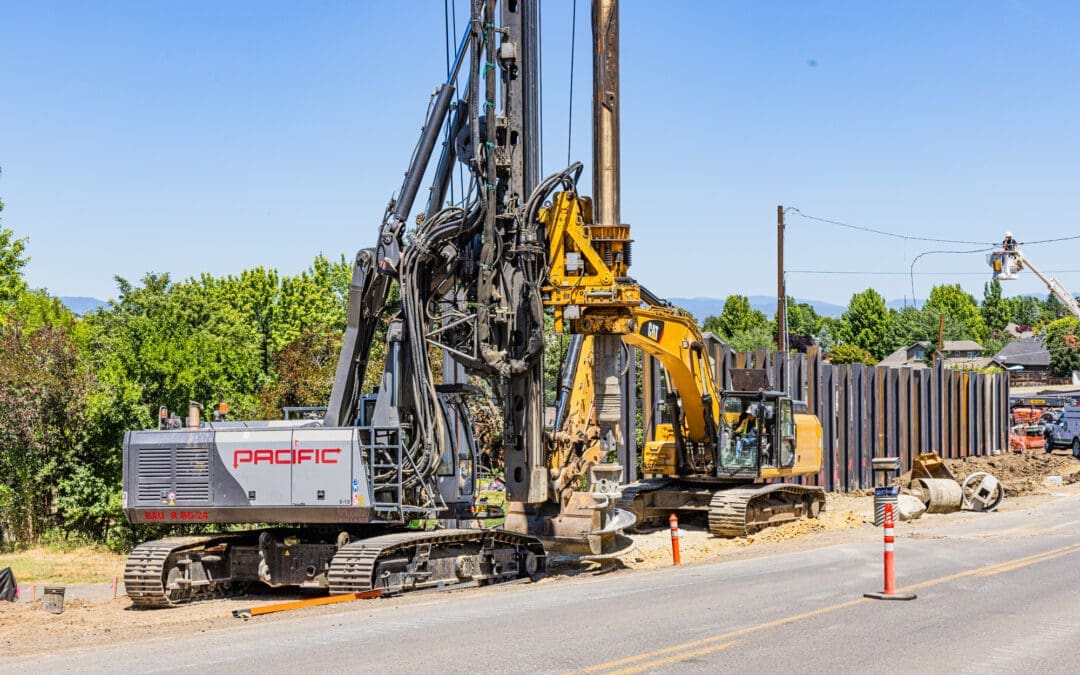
x=869, y=411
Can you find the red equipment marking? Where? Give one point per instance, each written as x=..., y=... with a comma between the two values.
x=285, y=456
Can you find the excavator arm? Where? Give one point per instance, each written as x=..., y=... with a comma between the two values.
x=671, y=336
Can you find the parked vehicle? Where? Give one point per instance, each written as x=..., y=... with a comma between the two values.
x=1064, y=431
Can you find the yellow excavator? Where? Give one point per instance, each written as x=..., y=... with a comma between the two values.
x=724, y=457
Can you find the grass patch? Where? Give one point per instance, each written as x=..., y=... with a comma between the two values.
x=85, y=565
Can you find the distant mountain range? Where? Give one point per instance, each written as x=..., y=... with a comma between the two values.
x=704, y=307
x=81, y=305
x=699, y=307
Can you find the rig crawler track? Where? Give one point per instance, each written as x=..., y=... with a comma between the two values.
x=406, y=561
x=159, y=573
x=179, y=570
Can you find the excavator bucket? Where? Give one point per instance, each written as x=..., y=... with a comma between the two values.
x=930, y=465
x=932, y=482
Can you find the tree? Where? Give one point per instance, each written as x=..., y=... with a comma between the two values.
x=555, y=350
x=909, y=325
x=866, y=323
x=1052, y=310
x=303, y=374
x=12, y=260
x=995, y=311
x=828, y=333
x=1063, y=343
x=178, y=343
x=951, y=300
x=804, y=324
x=802, y=318
x=1024, y=310
x=849, y=353
x=736, y=316
x=317, y=299
x=755, y=337
x=43, y=388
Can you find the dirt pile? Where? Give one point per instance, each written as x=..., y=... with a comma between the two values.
x=1021, y=473
x=654, y=548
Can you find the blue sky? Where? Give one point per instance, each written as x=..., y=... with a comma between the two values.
x=185, y=137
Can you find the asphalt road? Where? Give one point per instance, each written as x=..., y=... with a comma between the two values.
x=996, y=593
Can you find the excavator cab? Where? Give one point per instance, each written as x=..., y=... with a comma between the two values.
x=758, y=431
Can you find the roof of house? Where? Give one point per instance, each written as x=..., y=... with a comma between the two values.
x=900, y=357
x=961, y=346
x=1026, y=352
x=1018, y=331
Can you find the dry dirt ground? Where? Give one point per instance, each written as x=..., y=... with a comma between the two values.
x=79, y=566
x=26, y=628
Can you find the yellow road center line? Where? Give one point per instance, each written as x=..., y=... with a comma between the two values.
x=672, y=659
x=993, y=569
x=990, y=570
x=724, y=636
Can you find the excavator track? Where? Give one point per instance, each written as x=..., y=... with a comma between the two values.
x=154, y=574
x=405, y=561
x=632, y=500
x=737, y=512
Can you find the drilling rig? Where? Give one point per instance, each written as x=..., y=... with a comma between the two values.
x=336, y=497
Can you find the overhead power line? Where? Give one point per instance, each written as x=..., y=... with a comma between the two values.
x=883, y=232
x=911, y=237
x=918, y=274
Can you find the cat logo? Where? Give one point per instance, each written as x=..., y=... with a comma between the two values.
x=652, y=330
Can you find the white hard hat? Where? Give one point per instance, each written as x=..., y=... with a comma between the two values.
x=1008, y=234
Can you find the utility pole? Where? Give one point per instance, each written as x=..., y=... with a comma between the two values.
x=781, y=291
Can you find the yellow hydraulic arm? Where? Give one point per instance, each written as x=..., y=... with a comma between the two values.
x=672, y=337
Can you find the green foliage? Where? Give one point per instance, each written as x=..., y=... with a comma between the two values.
x=43, y=388
x=1052, y=310
x=303, y=374
x=995, y=311
x=996, y=342
x=802, y=318
x=12, y=260
x=828, y=334
x=954, y=302
x=180, y=343
x=755, y=337
x=848, y=353
x=1064, y=346
x=90, y=502
x=866, y=323
x=555, y=348
x=736, y=317
x=909, y=325
x=1024, y=310
x=316, y=299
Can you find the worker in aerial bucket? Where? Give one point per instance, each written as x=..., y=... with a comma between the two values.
x=1009, y=244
